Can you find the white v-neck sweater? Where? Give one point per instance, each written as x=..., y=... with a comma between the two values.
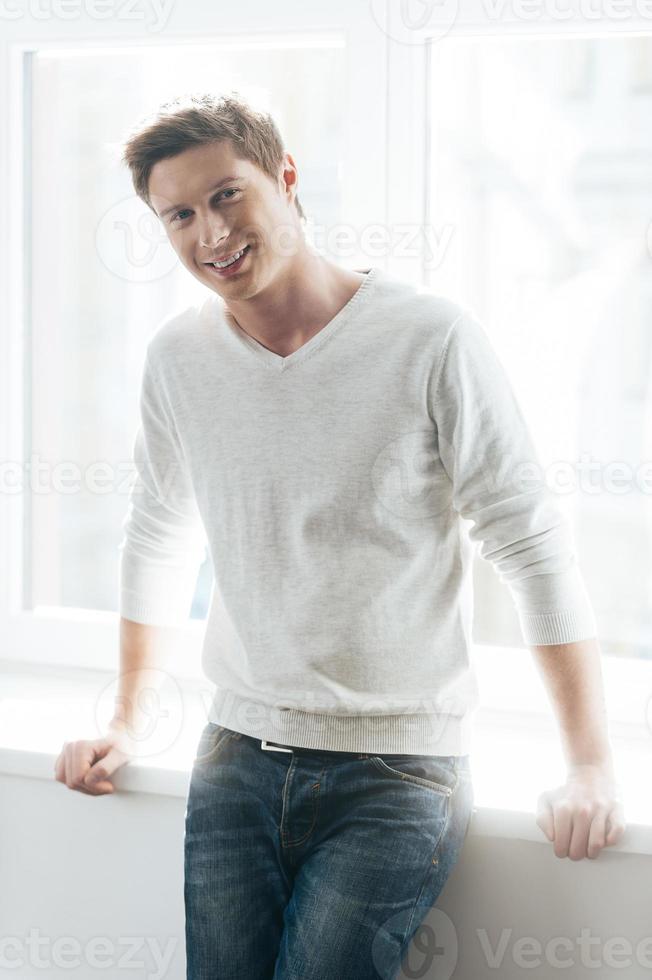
x=330, y=487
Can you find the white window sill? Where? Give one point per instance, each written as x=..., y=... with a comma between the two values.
x=514, y=756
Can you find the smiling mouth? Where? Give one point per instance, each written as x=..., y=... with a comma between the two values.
x=232, y=259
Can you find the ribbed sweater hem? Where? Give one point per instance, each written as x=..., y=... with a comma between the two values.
x=414, y=734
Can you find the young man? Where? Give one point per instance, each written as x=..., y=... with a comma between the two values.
x=326, y=429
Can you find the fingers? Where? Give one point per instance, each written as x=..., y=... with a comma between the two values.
x=97, y=778
x=82, y=759
x=597, y=834
x=615, y=824
x=92, y=774
x=596, y=828
x=562, y=828
x=581, y=823
x=579, y=831
x=75, y=763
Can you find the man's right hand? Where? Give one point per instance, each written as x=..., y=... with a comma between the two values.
x=86, y=765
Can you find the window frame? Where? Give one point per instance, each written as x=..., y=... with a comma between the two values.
x=89, y=638
x=396, y=195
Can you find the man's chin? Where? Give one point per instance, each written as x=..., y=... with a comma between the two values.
x=239, y=289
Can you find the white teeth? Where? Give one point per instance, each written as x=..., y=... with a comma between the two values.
x=224, y=265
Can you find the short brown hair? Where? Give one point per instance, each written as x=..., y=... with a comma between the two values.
x=196, y=120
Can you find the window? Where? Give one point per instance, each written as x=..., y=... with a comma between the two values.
x=523, y=144
x=87, y=274
x=103, y=274
x=540, y=190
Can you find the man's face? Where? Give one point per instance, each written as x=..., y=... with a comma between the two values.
x=204, y=222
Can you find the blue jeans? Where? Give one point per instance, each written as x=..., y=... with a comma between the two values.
x=311, y=864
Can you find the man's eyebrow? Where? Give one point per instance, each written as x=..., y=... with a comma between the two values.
x=174, y=207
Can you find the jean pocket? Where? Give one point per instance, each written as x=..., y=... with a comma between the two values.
x=436, y=773
x=211, y=741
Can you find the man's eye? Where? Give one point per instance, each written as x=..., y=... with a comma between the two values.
x=230, y=190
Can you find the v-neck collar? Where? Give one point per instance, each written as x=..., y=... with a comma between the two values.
x=274, y=361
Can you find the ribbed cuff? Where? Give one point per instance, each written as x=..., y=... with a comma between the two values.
x=161, y=611
x=563, y=626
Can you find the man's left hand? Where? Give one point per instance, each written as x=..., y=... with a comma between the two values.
x=583, y=815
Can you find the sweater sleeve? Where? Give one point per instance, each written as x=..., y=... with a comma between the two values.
x=498, y=483
x=164, y=536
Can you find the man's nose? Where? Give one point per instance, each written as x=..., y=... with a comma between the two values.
x=211, y=234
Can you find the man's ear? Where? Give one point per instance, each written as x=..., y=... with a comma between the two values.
x=289, y=177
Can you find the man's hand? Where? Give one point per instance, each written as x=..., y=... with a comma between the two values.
x=584, y=815
x=87, y=764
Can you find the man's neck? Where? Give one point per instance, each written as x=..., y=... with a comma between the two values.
x=284, y=317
